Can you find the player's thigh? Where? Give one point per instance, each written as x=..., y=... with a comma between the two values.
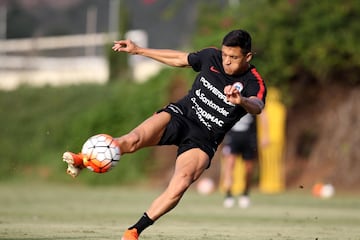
x=191, y=164
x=151, y=130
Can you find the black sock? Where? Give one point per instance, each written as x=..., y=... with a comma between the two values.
x=143, y=223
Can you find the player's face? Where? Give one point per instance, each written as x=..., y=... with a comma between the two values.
x=234, y=61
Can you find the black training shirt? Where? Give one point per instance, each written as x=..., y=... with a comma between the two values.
x=206, y=102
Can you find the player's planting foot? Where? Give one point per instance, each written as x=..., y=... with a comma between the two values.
x=130, y=234
x=75, y=163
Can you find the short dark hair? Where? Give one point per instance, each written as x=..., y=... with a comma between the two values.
x=238, y=38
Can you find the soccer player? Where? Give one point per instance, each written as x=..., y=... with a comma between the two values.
x=225, y=89
x=241, y=140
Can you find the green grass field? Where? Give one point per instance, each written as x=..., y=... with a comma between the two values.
x=51, y=211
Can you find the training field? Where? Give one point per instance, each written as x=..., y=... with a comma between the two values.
x=74, y=212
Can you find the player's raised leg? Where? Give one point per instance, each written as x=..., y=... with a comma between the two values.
x=148, y=133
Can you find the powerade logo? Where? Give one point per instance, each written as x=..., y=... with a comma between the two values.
x=215, y=91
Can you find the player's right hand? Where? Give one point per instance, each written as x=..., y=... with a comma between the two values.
x=125, y=46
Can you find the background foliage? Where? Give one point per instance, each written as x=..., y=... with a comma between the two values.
x=40, y=124
x=292, y=40
x=296, y=43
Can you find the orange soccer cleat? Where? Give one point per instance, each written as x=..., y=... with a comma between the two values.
x=130, y=234
x=75, y=163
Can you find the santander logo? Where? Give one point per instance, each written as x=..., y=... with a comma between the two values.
x=213, y=69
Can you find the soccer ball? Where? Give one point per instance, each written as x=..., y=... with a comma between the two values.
x=101, y=153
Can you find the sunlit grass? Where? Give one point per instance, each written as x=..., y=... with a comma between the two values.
x=74, y=211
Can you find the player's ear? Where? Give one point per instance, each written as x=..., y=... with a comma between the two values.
x=249, y=56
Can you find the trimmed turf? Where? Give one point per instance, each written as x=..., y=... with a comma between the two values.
x=50, y=211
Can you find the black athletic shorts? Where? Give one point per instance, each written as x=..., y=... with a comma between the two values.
x=186, y=134
x=241, y=143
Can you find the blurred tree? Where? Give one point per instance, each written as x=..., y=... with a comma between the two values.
x=292, y=40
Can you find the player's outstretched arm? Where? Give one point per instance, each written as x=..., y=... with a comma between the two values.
x=167, y=56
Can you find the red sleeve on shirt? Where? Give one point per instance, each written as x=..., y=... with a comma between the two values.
x=262, y=90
